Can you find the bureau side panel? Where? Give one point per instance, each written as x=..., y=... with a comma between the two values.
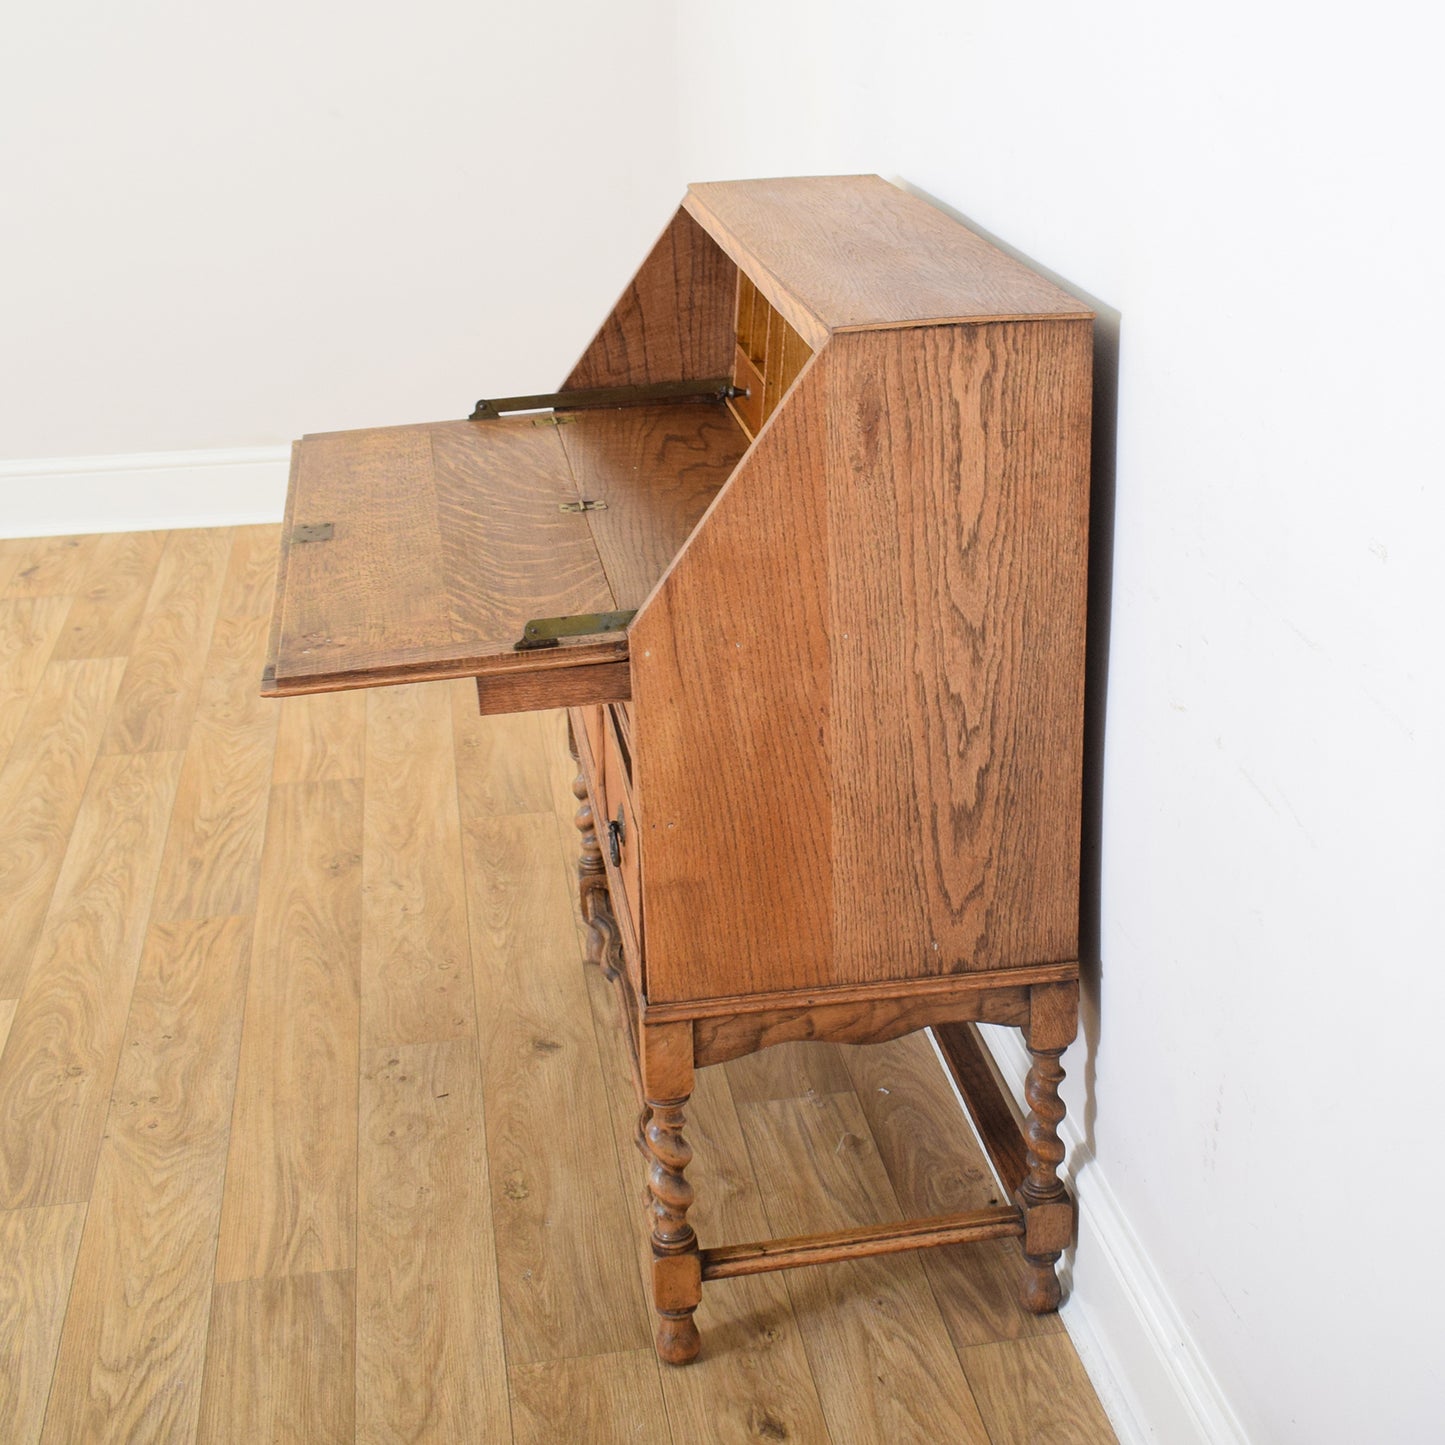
x=957, y=551
x=730, y=717
x=674, y=320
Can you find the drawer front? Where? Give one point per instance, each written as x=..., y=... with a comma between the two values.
x=592, y=724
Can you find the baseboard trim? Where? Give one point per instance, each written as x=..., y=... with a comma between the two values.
x=142, y=491
x=1143, y=1363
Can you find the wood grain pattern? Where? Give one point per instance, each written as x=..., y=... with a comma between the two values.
x=673, y=322
x=112, y=596
x=935, y=1166
x=65, y=1041
x=609, y=1399
x=280, y=1362
x=133, y=1349
x=416, y=983
x=290, y=1201
x=50, y=566
x=505, y=692
x=157, y=697
x=321, y=739
x=870, y=1322
x=752, y=1380
x=29, y=627
x=37, y=1257
x=656, y=469
x=730, y=663
x=999, y=1127
x=837, y=252
x=41, y=786
x=566, y=1288
x=970, y=606
x=505, y=763
x=426, y=1283
x=1035, y=1390
x=7, y=1015
x=212, y=862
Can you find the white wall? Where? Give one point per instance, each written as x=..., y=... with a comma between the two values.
x=221, y=232
x=1250, y=193
x=223, y=227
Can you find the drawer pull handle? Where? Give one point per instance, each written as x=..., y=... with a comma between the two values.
x=616, y=832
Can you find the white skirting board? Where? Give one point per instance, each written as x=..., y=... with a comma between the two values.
x=1145, y=1367
x=142, y=491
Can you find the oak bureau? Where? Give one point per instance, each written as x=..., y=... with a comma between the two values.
x=801, y=544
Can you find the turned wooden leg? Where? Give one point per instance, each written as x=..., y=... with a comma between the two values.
x=591, y=874
x=1048, y=1209
x=676, y=1262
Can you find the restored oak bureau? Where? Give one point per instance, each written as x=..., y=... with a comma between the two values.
x=801, y=544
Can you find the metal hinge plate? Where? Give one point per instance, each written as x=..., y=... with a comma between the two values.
x=549, y=631
x=718, y=388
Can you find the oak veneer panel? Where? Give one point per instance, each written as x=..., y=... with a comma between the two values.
x=429, y=1357
x=838, y=252
x=133, y=1349
x=885, y=1367
x=65, y=1041
x=416, y=984
x=566, y=1288
x=281, y=1362
x=112, y=596
x=1032, y=1391
x=37, y=1258
x=730, y=695
x=290, y=1201
x=752, y=1380
x=880, y=713
x=503, y=692
x=41, y=787
x=936, y=1167
x=657, y=469
x=958, y=495
x=447, y=539
x=29, y=627
x=157, y=697
x=674, y=320
x=610, y=1399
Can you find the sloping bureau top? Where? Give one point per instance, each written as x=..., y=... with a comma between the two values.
x=841, y=253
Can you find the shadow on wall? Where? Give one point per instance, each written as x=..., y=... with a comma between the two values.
x=1104, y=462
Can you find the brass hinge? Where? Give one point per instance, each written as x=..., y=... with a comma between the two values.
x=718, y=388
x=549, y=631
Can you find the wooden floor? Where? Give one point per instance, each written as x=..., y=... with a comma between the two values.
x=313, y=1126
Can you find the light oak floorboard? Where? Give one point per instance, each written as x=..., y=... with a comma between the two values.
x=415, y=959
x=280, y=1362
x=321, y=738
x=290, y=1200
x=41, y=786
x=877, y=1344
x=7, y=1014
x=134, y=1342
x=29, y=628
x=601, y=1399
x=426, y=1279
x=37, y=1258
x=569, y=1285
x=65, y=1041
x=1035, y=1392
x=50, y=566
x=104, y=616
x=157, y=697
